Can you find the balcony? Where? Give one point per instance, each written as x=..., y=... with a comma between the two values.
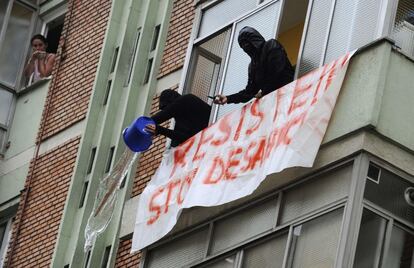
x=372, y=114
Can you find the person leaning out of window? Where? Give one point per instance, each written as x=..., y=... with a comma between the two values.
x=40, y=63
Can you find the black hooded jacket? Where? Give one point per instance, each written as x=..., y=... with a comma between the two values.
x=191, y=115
x=269, y=68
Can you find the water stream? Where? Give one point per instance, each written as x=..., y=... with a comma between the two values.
x=106, y=198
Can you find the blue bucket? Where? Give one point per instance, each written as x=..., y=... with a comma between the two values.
x=135, y=136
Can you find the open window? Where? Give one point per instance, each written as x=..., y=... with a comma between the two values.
x=207, y=66
x=218, y=65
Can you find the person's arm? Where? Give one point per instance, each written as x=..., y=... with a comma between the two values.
x=246, y=94
x=29, y=68
x=46, y=65
x=174, y=135
x=166, y=114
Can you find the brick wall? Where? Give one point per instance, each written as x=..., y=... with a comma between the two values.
x=123, y=257
x=178, y=36
x=73, y=82
x=40, y=222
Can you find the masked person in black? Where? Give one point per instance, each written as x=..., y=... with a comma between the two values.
x=269, y=68
x=191, y=115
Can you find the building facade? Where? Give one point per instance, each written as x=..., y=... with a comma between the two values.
x=59, y=136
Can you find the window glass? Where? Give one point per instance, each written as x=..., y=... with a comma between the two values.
x=180, y=252
x=370, y=240
x=14, y=43
x=227, y=262
x=3, y=227
x=208, y=63
x=243, y=225
x=132, y=57
x=236, y=75
x=3, y=9
x=315, y=242
x=266, y=255
x=316, y=32
x=316, y=193
x=403, y=30
x=389, y=194
x=6, y=99
x=223, y=13
x=400, y=252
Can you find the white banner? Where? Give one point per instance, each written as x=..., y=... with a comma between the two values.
x=229, y=159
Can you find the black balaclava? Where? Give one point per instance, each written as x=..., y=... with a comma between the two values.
x=252, y=39
x=167, y=96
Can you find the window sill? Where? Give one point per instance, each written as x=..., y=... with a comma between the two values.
x=34, y=85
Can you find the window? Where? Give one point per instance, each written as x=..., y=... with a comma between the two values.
x=207, y=66
x=403, y=30
x=105, y=258
x=108, y=90
x=6, y=110
x=218, y=65
x=110, y=158
x=114, y=59
x=17, y=20
x=91, y=160
x=252, y=236
x=53, y=32
x=386, y=234
x=17, y=25
x=84, y=191
x=324, y=232
x=132, y=57
x=389, y=194
x=155, y=37
x=5, y=234
x=148, y=71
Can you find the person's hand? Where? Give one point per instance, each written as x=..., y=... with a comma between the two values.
x=38, y=54
x=220, y=99
x=258, y=94
x=150, y=128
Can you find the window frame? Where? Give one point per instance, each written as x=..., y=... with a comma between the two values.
x=188, y=67
x=18, y=84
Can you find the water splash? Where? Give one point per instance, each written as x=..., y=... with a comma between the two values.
x=106, y=197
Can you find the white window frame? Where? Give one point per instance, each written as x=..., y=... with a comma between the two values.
x=195, y=41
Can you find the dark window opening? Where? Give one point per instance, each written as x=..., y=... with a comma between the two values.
x=155, y=37
x=110, y=157
x=108, y=89
x=374, y=173
x=291, y=28
x=148, y=71
x=114, y=59
x=91, y=160
x=53, y=34
x=124, y=181
x=87, y=259
x=132, y=58
x=84, y=191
